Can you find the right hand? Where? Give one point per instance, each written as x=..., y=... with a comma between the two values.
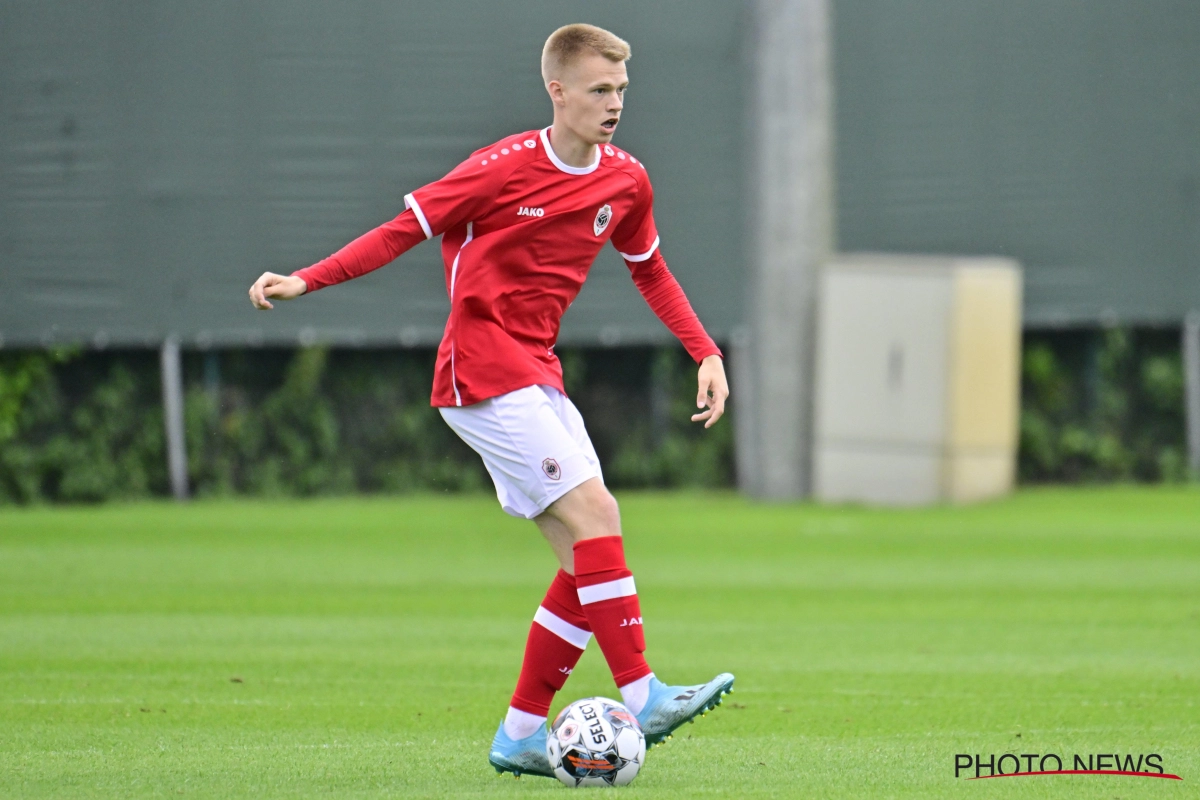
x=281, y=287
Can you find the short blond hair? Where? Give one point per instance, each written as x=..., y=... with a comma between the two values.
x=569, y=42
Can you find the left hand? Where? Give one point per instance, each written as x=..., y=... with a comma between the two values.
x=713, y=391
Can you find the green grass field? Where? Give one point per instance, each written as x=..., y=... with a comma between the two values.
x=367, y=647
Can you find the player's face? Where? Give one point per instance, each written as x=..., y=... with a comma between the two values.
x=593, y=94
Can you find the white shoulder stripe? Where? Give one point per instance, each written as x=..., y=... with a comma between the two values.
x=607, y=591
x=411, y=202
x=644, y=255
x=572, y=635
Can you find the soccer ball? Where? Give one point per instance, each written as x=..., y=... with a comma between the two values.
x=596, y=742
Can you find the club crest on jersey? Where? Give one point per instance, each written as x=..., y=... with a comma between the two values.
x=552, y=470
x=603, y=217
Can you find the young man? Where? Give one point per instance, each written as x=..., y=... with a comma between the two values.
x=521, y=222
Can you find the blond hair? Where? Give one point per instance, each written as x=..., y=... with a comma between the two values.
x=569, y=42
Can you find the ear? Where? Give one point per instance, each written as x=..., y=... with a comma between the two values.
x=556, y=91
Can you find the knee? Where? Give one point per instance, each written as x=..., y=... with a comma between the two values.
x=602, y=508
x=608, y=510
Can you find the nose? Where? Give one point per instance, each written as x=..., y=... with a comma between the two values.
x=614, y=103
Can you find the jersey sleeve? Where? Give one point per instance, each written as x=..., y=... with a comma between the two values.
x=666, y=299
x=366, y=253
x=636, y=236
x=460, y=197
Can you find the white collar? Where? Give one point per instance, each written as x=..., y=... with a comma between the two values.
x=567, y=168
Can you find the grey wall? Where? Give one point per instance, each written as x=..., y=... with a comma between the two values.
x=1063, y=134
x=156, y=157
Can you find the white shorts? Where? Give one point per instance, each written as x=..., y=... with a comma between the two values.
x=533, y=444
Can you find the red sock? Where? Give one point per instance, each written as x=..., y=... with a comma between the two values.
x=609, y=600
x=557, y=639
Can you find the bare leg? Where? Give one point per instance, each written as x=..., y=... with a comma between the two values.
x=559, y=537
x=585, y=512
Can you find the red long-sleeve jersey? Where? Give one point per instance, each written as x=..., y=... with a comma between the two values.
x=520, y=230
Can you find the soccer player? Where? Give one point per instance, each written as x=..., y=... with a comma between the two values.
x=521, y=222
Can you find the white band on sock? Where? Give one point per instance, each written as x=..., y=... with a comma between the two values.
x=606, y=591
x=572, y=635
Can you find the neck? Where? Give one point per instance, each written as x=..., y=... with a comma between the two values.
x=569, y=148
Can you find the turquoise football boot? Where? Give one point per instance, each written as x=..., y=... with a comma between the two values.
x=522, y=757
x=668, y=707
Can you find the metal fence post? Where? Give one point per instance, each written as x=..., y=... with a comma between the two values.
x=172, y=389
x=1191, y=375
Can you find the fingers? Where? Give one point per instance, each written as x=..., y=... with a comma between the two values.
x=712, y=391
x=258, y=294
x=275, y=287
x=717, y=410
x=715, y=402
x=711, y=415
x=258, y=298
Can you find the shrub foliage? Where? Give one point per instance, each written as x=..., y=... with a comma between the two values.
x=1102, y=406
x=88, y=426
x=81, y=426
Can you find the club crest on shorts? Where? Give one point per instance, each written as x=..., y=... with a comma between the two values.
x=552, y=470
x=603, y=217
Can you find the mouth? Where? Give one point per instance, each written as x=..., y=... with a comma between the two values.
x=609, y=124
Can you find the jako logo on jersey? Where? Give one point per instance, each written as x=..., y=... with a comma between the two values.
x=603, y=217
x=632, y=621
x=565, y=670
x=552, y=470
x=531, y=212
